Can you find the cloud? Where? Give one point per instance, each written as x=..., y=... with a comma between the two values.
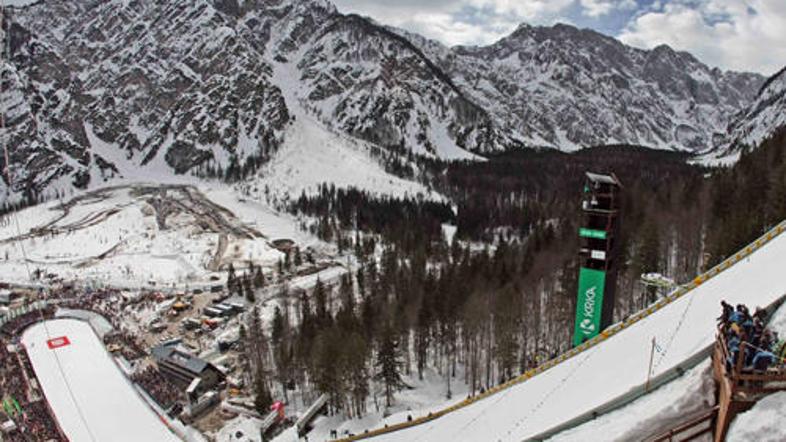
x=460, y=21
x=731, y=34
x=734, y=34
x=598, y=8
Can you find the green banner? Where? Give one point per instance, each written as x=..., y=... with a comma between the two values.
x=590, y=233
x=589, y=305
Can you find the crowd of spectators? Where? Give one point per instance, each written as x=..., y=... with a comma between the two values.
x=35, y=421
x=158, y=387
x=747, y=337
x=32, y=417
x=127, y=344
x=19, y=323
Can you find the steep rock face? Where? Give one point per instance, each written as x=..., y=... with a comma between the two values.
x=377, y=86
x=568, y=88
x=763, y=117
x=366, y=81
x=172, y=81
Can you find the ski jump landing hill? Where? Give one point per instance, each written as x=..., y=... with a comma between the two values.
x=611, y=369
x=91, y=399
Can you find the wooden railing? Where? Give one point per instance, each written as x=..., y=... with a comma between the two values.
x=748, y=381
x=687, y=430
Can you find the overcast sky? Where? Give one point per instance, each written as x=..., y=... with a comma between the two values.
x=731, y=34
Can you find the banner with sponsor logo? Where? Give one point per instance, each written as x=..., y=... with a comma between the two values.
x=592, y=233
x=589, y=305
x=56, y=343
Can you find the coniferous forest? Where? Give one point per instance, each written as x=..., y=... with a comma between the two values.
x=499, y=296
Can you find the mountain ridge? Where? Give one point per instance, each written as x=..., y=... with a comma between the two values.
x=189, y=87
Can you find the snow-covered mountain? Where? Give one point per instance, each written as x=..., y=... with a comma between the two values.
x=569, y=88
x=96, y=89
x=167, y=85
x=761, y=118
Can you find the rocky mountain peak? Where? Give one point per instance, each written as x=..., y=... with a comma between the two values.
x=102, y=88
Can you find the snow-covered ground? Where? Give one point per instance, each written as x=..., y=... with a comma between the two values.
x=425, y=396
x=762, y=423
x=90, y=397
x=240, y=429
x=648, y=416
x=613, y=367
x=312, y=155
x=115, y=240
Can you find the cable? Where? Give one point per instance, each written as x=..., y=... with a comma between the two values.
x=551, y=392
x=5, y=56
x=673, y=335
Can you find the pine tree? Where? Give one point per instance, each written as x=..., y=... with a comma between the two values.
x=389, y=364
x=320, y=298
x=259, y=278
x=262, y=397
x=231, y=279
x=648, y=256
x=298, y=257
x=248, y=289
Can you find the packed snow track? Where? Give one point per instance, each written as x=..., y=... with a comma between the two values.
x=618, y=364
x=91, y=399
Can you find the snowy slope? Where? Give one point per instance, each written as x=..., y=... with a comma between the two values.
x=691, y=393
x=90, y=397
x=312, y=155
x=762, y=118
x=616, y=365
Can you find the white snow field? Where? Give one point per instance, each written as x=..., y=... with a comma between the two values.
x=664, y=407
x=91, y=399
x=762, y=423
x=111, y=236
x=614, y=366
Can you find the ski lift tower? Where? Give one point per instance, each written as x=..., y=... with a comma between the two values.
x=598, y=253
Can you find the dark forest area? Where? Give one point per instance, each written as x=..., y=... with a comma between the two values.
x=500, y=297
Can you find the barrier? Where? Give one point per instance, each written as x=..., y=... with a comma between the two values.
x=678, y=293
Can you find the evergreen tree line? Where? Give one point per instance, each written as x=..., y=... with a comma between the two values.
x=405, y=222
x=400, y=314
x=747, y=199
x=421, y=303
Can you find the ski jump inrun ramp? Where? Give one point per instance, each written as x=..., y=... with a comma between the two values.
x=614, y=364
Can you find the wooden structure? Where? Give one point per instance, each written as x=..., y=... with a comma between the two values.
x=695, y=426
x=738, y=388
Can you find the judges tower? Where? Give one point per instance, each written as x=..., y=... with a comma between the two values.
x=598, y=254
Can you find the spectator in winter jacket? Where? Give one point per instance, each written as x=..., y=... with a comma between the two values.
x=748, y=329
x=736, y=317
x=734, y=330
x=725, y=317
x=734, y=350
x=761, y=315
x=763, y=360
